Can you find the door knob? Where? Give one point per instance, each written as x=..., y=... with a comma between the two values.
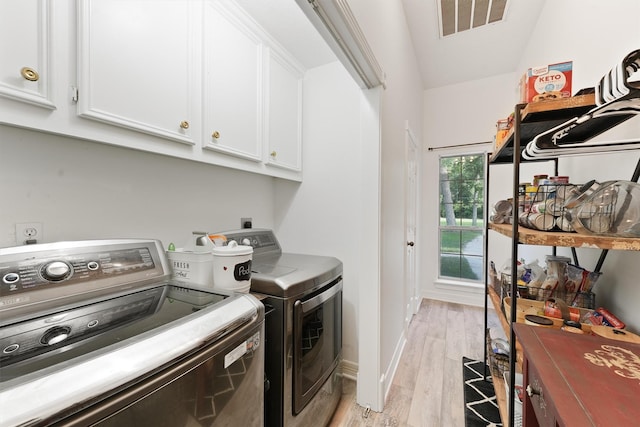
x=410, y=243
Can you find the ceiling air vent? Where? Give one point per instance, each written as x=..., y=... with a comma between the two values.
x=461, y=15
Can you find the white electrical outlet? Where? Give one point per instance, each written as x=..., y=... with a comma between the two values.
x=28, y=232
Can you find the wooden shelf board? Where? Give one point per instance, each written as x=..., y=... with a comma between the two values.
x=498, y=382
x=528, y=236
x=539, y=117
x=497, y=305
x=539, y=110
x=501, y=398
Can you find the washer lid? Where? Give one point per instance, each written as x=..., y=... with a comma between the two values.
x=92, y=375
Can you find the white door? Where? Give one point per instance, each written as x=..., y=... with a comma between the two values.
x=25, y=43
x=412, y=299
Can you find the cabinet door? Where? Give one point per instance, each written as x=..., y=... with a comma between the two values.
x=136, y=65
x=284, y=112
x=233, y=86
x=25, y=46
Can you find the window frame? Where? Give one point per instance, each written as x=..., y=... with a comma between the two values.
x=460, y=228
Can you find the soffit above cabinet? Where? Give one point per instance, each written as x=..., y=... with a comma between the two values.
x=287, y=23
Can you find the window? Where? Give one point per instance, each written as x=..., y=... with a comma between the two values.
x=462, y=215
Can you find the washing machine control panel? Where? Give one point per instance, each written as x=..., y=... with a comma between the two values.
x=36, y=274
x=32, y=274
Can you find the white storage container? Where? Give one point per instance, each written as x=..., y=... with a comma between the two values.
x=232, y=267
x=193, y=264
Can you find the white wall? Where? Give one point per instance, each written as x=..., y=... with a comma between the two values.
x=384, y=25
x=322, y=215
x=457, y=114
x=84, y=190
x=604, y=33
x=596, y=41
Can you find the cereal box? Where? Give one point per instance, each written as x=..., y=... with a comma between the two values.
x=546, y=82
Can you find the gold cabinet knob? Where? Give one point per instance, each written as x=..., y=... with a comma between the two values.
x=215, y=135
x=29, y=74
x=274, y=154
x=184, y=124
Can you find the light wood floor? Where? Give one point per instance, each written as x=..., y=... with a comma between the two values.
x=427, y=387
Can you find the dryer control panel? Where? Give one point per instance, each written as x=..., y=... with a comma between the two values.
x=262, y=240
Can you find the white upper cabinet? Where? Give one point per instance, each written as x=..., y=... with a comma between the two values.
x=136, y=65
x=284, y=113
x=233, y=83
x=201, y=80
x=25, y=46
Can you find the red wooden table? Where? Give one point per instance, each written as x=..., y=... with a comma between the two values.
x=578, y=380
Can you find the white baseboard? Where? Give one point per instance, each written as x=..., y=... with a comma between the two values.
x=349, y=369
x=393, y=365
x=459, y=294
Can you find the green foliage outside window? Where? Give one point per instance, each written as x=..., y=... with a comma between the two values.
x=462, y=216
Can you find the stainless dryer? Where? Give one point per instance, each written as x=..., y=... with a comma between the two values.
x=303, y=296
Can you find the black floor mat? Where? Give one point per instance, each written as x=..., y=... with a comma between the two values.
x=480, y=405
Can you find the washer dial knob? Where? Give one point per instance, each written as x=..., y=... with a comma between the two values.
x=56, y=271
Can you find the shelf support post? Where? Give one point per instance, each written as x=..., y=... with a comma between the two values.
x=485, y=261
x=514, y=253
